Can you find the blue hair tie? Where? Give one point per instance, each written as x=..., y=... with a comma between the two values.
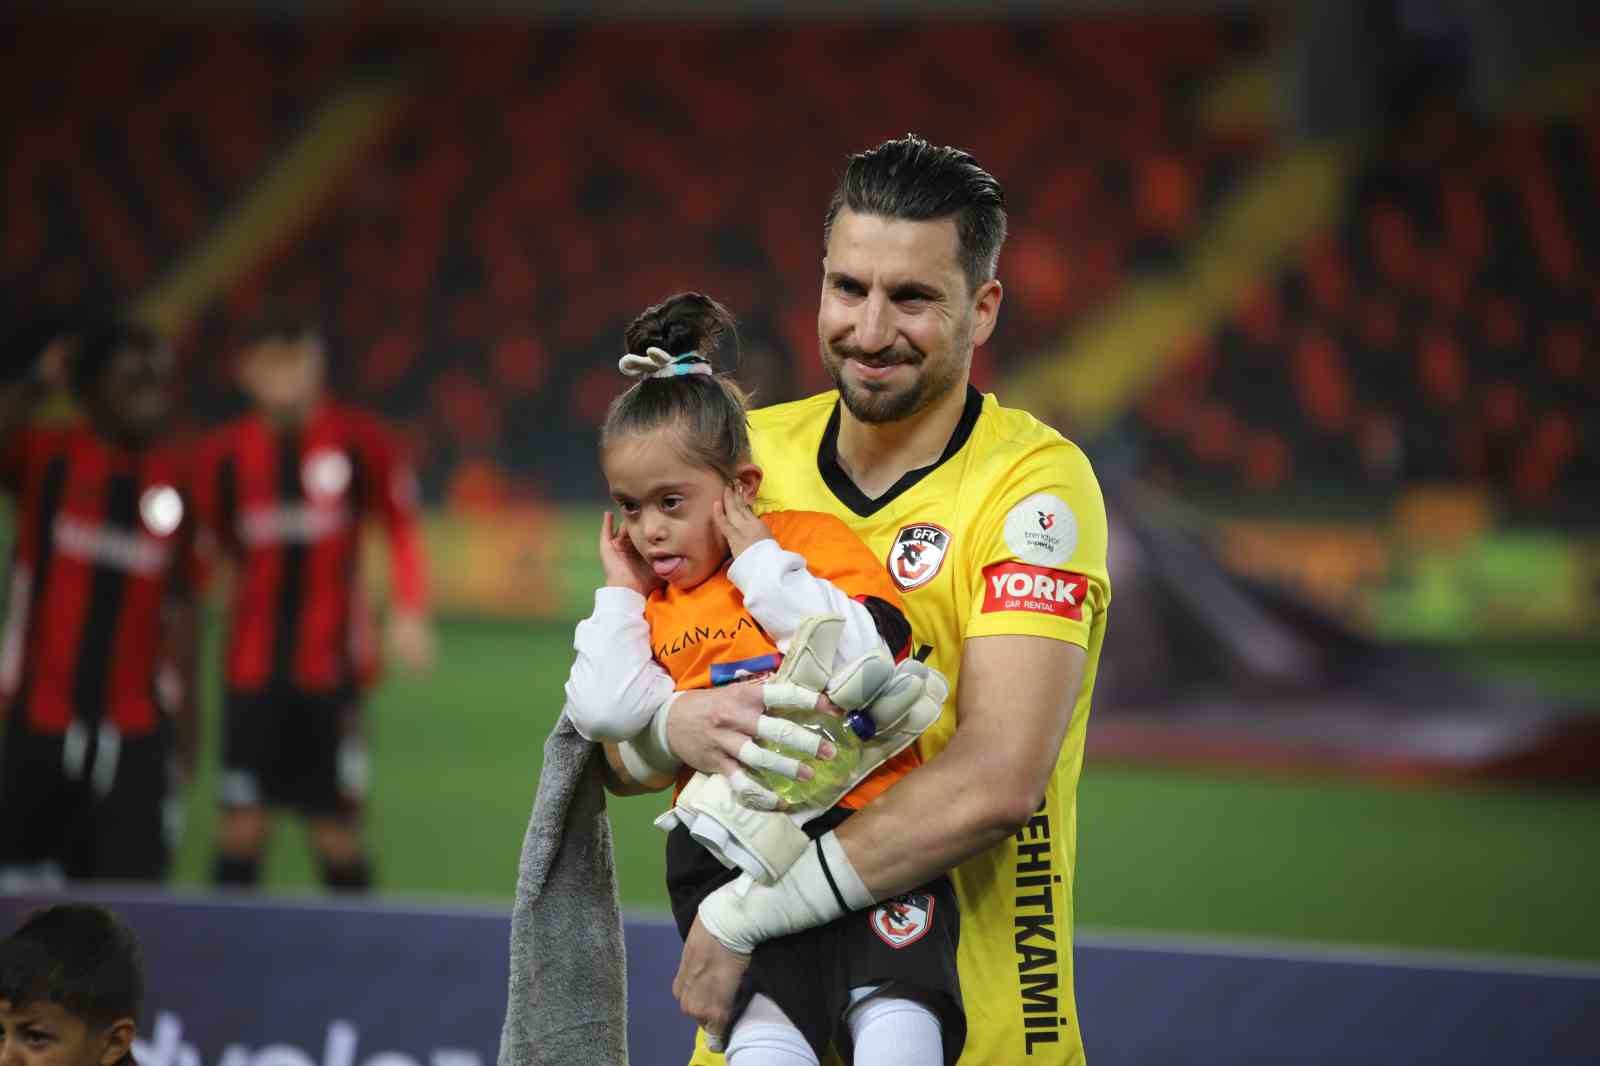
x=656, y=363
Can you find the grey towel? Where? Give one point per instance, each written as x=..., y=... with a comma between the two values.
x=568, y=997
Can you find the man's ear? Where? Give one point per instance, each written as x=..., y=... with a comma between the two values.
x=244, y=374
x=119, y=1041
x=985, y=310
x=748, y=477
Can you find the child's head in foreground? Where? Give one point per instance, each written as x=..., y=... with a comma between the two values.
x=71, y=988
x=676, y=439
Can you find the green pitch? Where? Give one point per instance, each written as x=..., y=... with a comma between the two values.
x=456, y=760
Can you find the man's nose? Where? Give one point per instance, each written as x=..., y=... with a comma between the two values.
x=875, y=327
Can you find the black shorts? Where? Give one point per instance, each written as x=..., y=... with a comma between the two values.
x=290, y=748
x=906, y=946
x=108, y=812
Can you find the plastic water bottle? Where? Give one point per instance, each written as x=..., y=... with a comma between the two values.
x=846, y=734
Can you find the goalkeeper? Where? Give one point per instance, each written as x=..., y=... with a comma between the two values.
x=700, y=592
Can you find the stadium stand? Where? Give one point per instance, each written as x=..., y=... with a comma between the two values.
x=479, y=268
x=126, y=140
x=1441, y=333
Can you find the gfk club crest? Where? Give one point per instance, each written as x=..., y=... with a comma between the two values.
x=903, y=920
x=917, y=555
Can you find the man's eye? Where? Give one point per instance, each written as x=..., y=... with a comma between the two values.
x=848, y=287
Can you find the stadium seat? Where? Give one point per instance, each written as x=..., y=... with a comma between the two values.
x=553, y=181
x=1443, y=330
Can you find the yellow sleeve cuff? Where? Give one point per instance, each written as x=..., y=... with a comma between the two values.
x=1024, y=623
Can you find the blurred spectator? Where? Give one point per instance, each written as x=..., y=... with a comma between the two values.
x=286, y=489
x=97, y=664
x=1382, y=448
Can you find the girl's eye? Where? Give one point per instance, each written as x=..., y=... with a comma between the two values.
x=630, y=509
x=670, y=503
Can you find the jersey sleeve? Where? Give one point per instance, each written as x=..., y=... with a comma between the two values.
x=196, y=543
x=615, y=685
x=1040, y=551
x=396, y=500
x=192, y=564
x=13, y=461
x=21, y=452
x=209, y=511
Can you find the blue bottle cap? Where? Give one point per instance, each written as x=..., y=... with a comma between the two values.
x=862, y=724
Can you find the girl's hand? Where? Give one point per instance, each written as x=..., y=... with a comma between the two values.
x=738, y=524
x=624, y=567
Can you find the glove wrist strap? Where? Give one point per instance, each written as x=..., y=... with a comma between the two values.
x=821, y=886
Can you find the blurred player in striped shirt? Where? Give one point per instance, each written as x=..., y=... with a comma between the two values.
x=97, y=663
x=286, y=490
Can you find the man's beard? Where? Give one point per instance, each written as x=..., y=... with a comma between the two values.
x=886, y=404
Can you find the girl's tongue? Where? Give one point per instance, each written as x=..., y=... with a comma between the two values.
x=666, y=566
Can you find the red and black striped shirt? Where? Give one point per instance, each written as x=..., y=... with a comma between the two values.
x=288, y=504
x=103, y=535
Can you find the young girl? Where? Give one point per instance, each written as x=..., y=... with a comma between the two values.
x=700, y=591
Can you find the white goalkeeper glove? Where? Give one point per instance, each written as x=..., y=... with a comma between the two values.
x=902, y=700
x=763, y=844
x=821, y=886
x=734, y=817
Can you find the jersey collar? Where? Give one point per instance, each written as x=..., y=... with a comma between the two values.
x=847, y=492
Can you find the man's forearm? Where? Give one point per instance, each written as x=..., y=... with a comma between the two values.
x=183, y=621
x=931, y=821
x=1014, y=708
x=1016, y=701
x=899, y=849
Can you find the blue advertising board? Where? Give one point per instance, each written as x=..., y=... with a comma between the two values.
x=243, y=981
x=240, y=981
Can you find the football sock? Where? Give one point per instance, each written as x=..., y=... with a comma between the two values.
x=347, y=877
x=235, y=872
x=767, y=1044
x=764, y=1036
x=895, y=1032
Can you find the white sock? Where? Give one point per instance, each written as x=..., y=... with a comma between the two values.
x=764, y=1036
x=894, y=1032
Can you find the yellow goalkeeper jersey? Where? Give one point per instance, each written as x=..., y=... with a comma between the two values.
x=1006, y=533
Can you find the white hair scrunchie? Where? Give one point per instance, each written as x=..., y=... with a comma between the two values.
x=656, y=363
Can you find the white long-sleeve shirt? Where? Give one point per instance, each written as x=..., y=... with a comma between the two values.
x=616, y=685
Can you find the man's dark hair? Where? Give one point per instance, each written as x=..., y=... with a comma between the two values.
x=77, y=956
x=913, y=180
x=281, y=324
x=99, y=342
